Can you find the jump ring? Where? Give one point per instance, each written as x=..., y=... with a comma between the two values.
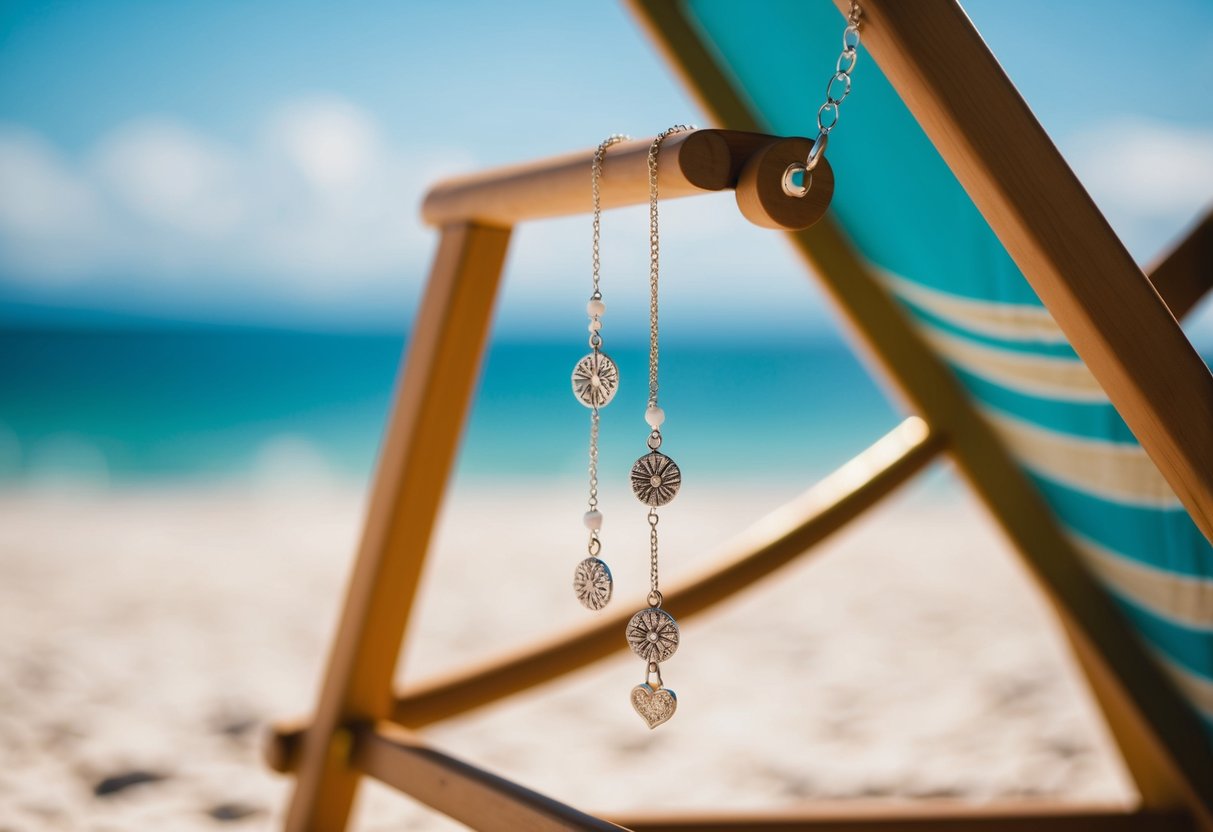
x=850, y=36
x=847, y=54
x=840, y=75
x=789, y=184
x=831, y=108
x=656, y=598
x=653, y=670
x=817, y=151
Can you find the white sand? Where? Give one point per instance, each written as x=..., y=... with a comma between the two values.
x=156, y=632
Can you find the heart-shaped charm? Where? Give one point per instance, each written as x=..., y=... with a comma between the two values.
x=654, y=706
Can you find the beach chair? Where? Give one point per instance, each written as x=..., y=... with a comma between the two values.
x=1031, y=348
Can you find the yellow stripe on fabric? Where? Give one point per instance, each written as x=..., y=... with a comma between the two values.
x=1043, y=376
x=1184, y=599
x=1009, y=321
x=1196, y=689
x=1114, y=471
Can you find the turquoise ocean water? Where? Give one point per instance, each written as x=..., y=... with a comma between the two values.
x=145, y=405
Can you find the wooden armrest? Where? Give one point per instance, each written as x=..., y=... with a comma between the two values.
x=696, y=162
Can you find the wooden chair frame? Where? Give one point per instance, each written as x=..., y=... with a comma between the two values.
x=1107, y=307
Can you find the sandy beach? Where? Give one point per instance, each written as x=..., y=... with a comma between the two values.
x=150, y=635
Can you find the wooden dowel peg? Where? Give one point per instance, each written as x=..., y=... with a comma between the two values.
x=760, y=189
x=690, y=163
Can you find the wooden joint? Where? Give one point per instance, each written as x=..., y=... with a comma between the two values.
x=777, y=540
x=463, y=792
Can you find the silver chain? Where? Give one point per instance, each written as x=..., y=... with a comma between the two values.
x=837, y=90
x=596, y=190
x=593, y=463
x=827, y=113
x=655, y=253
x=595, y=545
x=654, y=593
x=655, y=598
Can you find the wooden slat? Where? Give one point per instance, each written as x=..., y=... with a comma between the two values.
x=1159, y=736
x=1108, y=310
x=1110, y=313
x=356, y=688
x=1163, y=743
x=427, y=419
x=1183, y=274
x=461, y=791
x=920, y=816
x=482, y=800
x=770, y=544
x=691, y=163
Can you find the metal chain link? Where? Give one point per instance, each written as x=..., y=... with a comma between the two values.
x=593, y=503
x=828, y=113
x=655, y=253
x=837, y=90
x=654, y=442
x=595, y=545
x=596, y=191
x=654, y=592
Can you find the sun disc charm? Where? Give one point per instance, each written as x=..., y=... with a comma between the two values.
x=653, y=634
x=655, y=479
x=593, y=584
x=595, y=379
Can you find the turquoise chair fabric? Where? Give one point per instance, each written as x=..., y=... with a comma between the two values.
x=913, y=222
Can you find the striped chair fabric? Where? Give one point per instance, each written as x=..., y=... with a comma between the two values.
x=918, y=230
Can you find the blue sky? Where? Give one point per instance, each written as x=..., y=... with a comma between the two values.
x=262, y=163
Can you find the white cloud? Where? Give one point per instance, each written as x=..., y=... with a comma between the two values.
x=320, y=208
x=1150, y=178
x=318, y=204
x=167, y=174
x=50, y=221
x=333, y=144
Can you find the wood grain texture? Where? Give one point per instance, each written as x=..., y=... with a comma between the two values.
x=461, y=791
x=1143, y=711
x=1102, y=301
x=760, y=194
x=692, y=163
x=431, y=405
x=1161, y=740
x=773, y=542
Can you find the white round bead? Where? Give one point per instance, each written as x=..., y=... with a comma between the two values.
x=593, y=520
x=595, y=308
x=595, y=325
x=654, y=416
